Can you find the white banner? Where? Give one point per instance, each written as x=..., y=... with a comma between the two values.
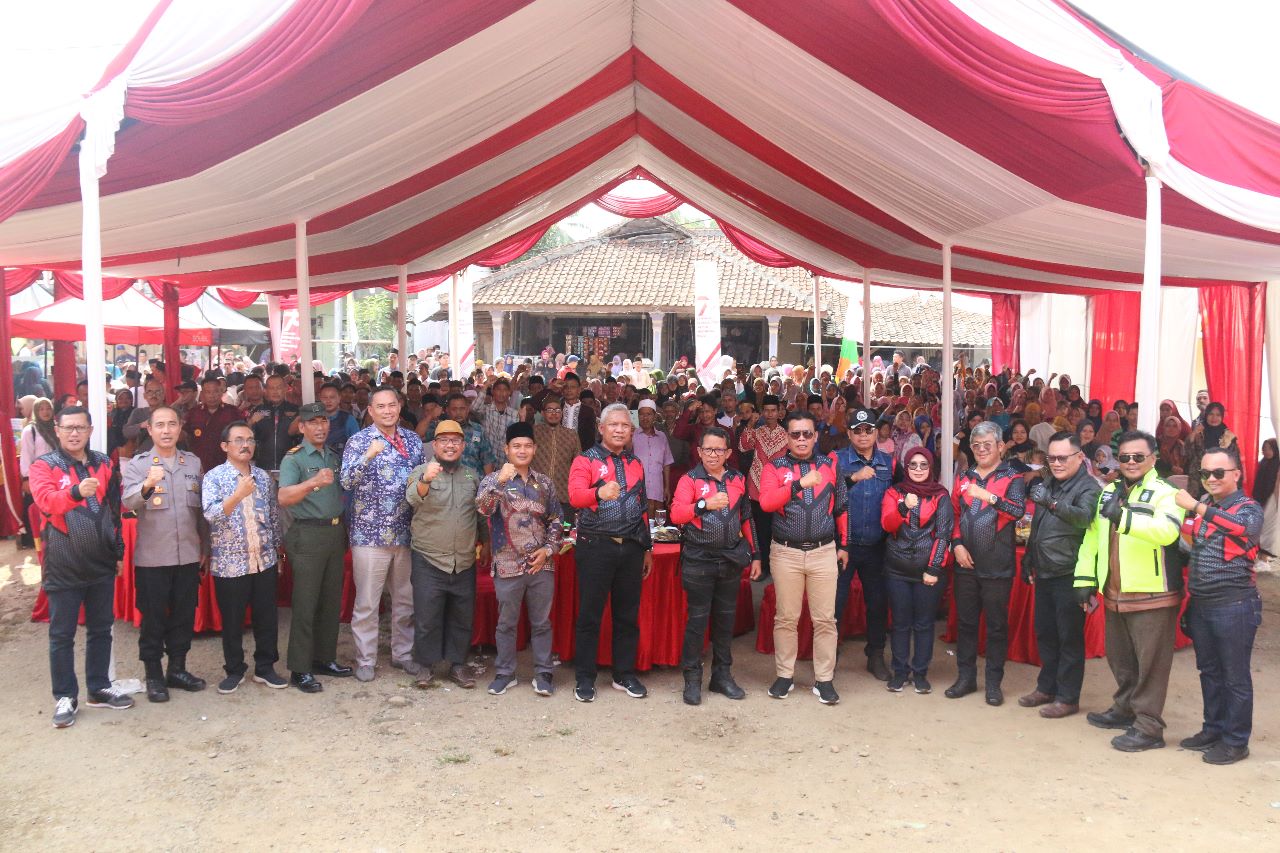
x=706, y=321
x=463, y=319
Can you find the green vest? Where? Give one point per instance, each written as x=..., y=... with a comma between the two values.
x=1151, y=520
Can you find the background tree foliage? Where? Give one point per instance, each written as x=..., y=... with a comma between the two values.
x=376, y=322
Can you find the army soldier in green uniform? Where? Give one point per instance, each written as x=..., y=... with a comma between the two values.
x=162, y=488
x=316, y=544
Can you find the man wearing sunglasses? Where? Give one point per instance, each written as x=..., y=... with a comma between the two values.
x=1130, y=555
x=1225, y=611
x=1066, y=502
x=803, y=491
x=866, y=472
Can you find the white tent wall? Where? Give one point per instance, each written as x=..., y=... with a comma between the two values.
x=1034, y=335
x=1068, y=338
x=1179, y=331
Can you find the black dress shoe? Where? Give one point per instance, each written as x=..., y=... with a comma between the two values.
x=692, y=694
x=1221, y=753
x=156, y=691
x=1201, y=741
x=306, y=682
x=332, y=669
x=1135, y=741
x=1108, y=719
x=962, y=687
x=995, y=696
x=184, y=680
x=723, y=683
x=876, y=666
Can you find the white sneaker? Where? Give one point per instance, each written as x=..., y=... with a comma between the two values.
x=64, y=713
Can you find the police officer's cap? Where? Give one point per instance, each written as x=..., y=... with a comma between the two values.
x=861, y=417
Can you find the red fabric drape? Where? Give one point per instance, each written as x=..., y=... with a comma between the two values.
x=73, y=285
x=754, y=249
x=172, y=359
x=237, y=298
x=23, y=178
x=11, y=506
x=510, y=249
x=186, y=295
x=1006, y=323
x=1114, y=358
x=639, y=208
x=19, y=279
x=1232, y=319
x=301, y=34
x=64, y=352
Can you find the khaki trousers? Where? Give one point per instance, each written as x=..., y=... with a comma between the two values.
x=372, y=569
x=796, y=575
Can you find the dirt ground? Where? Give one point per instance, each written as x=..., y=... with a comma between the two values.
x=383, y=766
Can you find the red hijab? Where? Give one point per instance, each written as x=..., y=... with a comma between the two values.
x=930, y=488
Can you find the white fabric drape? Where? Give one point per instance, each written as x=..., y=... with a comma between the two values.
x=1034, y=341
x=1179, y=331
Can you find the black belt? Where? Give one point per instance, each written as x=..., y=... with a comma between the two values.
x=805, y=546
x=318, y=522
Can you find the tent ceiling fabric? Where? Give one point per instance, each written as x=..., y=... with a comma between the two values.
x=427, y=136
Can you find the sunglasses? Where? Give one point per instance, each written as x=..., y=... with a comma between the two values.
x=862, y=430
x=1131, y=457
x=1058, y=460
x=918, y=466
x=1216, y=473
x=803, y=433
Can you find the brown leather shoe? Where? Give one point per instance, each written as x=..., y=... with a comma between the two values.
x=1035, y=698
x=461, y=676
x=1058, y=710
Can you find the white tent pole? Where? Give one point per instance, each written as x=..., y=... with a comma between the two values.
x=402, y=315
x=302, y=264
x=273, y=324
x=91, y=268
x=453, y=325
x=817, y=325
x=946, y=374
x=1145, y=389
x=866, y=338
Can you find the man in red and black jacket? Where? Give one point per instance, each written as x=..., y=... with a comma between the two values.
x=78, y=492
x=989, y=499
x=810, y=546
x=719, y=540
x=614, y=552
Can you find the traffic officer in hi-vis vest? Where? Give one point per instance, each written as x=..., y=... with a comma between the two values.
x=162, y=488
x=316, y=543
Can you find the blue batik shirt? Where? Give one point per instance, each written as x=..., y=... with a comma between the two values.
x=377, y=514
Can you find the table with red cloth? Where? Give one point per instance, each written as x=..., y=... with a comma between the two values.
x=663, y=607
x=1022, y=634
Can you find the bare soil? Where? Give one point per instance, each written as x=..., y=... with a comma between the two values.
x=382, y=766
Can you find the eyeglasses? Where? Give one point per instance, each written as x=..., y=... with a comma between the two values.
x=1216, y=473
x=983, y=445
x=243, y=442
x=74, y=428
x=1131, y=457
x=713, y=451
x=802, y=434
x=862, y=430
x=552, y=410
x=918, y=466
x=1058, y=460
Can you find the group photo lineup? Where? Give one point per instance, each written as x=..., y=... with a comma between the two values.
x=580, y=424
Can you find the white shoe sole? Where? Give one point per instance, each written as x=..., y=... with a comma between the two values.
x=512, y=683
x=581, y=699
x=65, y=725
x=773, y=695
x=824, y=701
x=228, y=691
x=281, y=686
x=627, y=690
x=540, y=691
x=108, y=707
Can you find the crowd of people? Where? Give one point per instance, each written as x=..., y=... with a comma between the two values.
x=778, y=471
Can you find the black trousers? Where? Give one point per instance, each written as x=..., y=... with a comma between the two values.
x=764, y=535
x=166, y=597
x=444, y=605
x=711, y=587
x=98, y=600
x=867, y=561
x=978, y=597
x=1060, y=637
x=256, y=592
x=608, y=572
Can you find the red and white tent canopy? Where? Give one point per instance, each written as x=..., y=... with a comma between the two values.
x=287, y=144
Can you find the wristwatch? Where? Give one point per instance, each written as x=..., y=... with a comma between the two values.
x=701, y=505
x=991, y=499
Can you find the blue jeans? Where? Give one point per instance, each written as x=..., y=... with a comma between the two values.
x=1223, y=637
x=915, y=607
x=64, y=614
x=867, y=561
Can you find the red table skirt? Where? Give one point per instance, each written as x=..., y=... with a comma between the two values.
x=854, y=624
x=1022, y=625
x=663, y=606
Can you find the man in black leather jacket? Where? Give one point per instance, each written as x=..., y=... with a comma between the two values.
x=1065, y=506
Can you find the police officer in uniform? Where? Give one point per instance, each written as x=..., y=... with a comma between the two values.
x=162, y=488
x=316, y=543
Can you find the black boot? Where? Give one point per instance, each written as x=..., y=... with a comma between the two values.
x=180, y=678
x=693, y=686
x=156, y=690
x=722, y=682
x=876, y=665
x=965, y=684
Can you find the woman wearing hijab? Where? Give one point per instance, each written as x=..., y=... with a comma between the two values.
x=1173, y=451
x=1018, y=441
x=1169, y=409
x=904, y=436
x=1105, y=467
x=1212, y=433
x=37, y=439
x=996, y=413
x=617, y=365
x=918, y=517
x=1110, y=429
x=1264, y=492
x=1093, y=412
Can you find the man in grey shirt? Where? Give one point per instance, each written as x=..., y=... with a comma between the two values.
x=162, y=488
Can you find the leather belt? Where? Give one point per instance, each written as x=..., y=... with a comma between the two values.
x=805, y=546
x=318, y=522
